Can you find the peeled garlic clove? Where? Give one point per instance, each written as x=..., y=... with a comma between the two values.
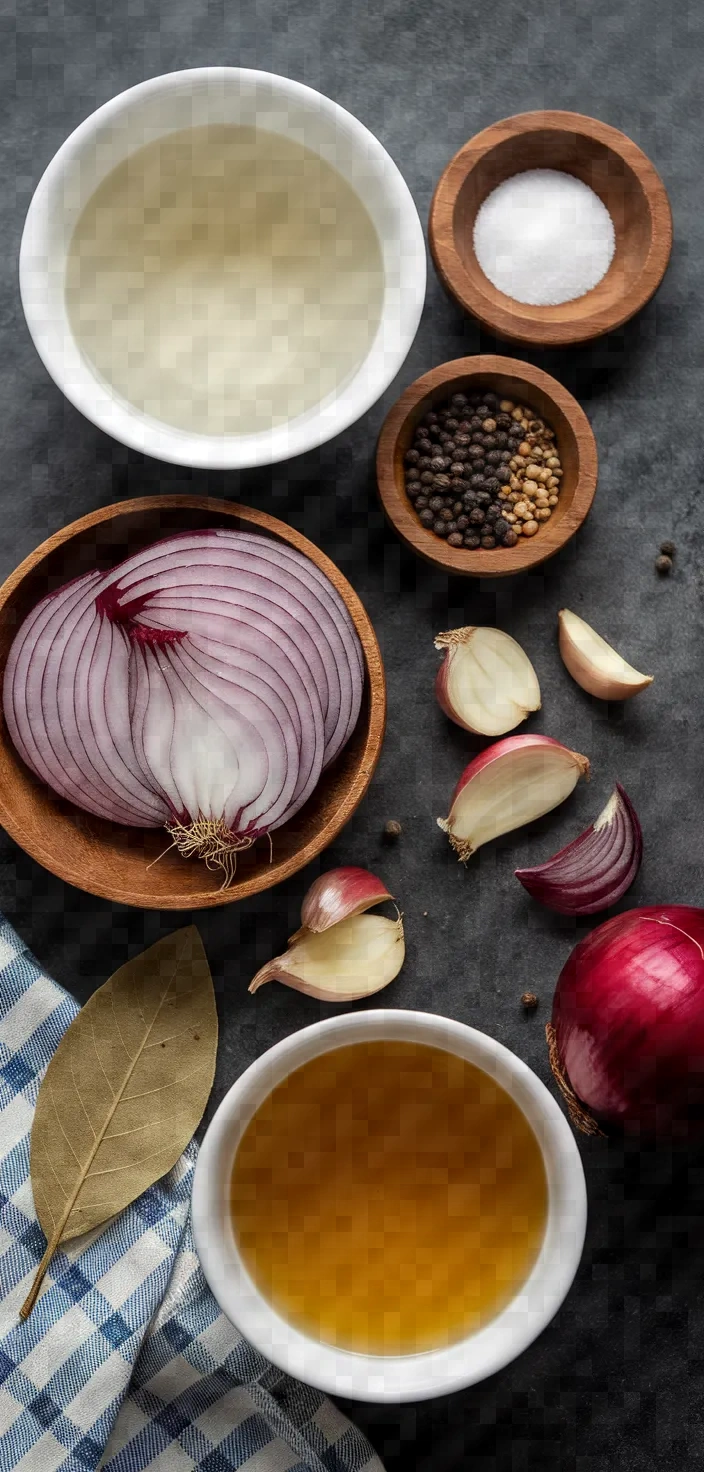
x=340, y=893
x=508, y=785
x=597, y=868
x=353, y=959
x=599, y=669
x=486, y=682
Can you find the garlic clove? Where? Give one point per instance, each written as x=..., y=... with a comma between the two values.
x=486, y=682
x=353, y=959
x=510, y=784
x=335, y=896
x=599, y=669
x=597, y=868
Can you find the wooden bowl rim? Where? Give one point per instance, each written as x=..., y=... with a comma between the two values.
x=266, y=877
x=508, y=320
x=505, y=561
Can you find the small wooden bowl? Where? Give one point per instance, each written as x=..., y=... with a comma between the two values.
x=511, y=380
x=603, y=158
x=111, y=861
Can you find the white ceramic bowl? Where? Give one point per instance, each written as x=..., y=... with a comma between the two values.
x=211, y=95
x=375, y=1377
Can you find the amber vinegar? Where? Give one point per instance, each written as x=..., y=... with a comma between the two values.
x=389, y=1197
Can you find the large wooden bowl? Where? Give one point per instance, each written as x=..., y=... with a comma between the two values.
x=111, y=861
x=605, y=159
x=512, y=380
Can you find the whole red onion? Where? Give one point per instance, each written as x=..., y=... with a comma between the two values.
x=629, y=1020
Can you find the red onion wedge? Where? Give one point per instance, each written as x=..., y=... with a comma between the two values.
x=596, y=869
x=486, y=682
x=510, y=784
x=202, y=685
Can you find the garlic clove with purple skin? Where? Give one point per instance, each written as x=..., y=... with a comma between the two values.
x=596, y=869
x=352, y=959
x=340, y=893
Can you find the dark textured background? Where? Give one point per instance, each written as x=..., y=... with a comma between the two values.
x=616, y=1381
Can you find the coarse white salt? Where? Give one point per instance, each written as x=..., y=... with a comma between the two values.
x=544, y=237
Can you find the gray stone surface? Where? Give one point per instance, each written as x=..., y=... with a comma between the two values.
x=615, y=1382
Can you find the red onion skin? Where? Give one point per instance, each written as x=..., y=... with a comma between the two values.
x=629, y=1021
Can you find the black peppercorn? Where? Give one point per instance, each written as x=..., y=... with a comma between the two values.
x=455, y=539
x=663, y=565
x=424, y=463
x=494, y=457
x=501, y=527
x=442, y=483
x=421, y=503
x=476, y=516
x=489, y=442
x=411, y=457
x=483, y=498
x=469, y=500
x=456, y=468
x=475, y=422
x=440, y=528
x=446, y=514
x=510, y=538
x=493, y=512
x=477, y=480
x=451, y=526
x=668, y=549
x=427, y=477
x=492, y=484
x=427, y=517
x=457, y=508
x=436, y=503
x=476, y=452
x=488, y=542
x=472, y=540
x=459, y=401
x=462, y=523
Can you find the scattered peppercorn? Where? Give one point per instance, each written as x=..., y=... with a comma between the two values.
x=392, y=829
x=473, y=461
x=663, y=565
x=530, y=1001
x=668, y=549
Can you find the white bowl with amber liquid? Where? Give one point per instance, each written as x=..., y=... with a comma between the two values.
x=323, y=1357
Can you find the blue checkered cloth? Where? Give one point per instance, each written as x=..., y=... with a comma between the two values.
x=126, y=1361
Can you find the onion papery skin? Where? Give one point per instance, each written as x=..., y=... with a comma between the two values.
x=628, y=1016
x=596, y=869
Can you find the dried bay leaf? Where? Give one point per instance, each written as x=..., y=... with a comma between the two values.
x=124, y=1091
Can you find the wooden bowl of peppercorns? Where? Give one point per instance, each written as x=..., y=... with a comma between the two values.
x=486, y=466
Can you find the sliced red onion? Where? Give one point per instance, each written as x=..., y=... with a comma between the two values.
x=597, y=868
x=288, y=595
x=264, y=559
x=203, y=684
x=225, y=613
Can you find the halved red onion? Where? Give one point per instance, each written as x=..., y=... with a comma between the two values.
x=203, y=684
